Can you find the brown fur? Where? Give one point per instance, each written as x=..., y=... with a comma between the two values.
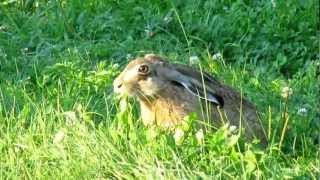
x=165, y=104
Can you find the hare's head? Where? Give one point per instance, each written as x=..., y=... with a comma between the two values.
x=147, y=76
x=140, y=77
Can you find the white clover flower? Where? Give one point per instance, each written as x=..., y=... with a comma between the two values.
x=200, y=136
x=167, y=18
x=129, y=56
x=116, y=65
x=217, y=56
x=194, y=60
x=302, y=111
x=273, y=3
x=59, y=137
x=71, y=117
x=232, y=129
x=2, y=28
x=19, y=147
x=149, y=32
x=178, y=136
x=286, y=92
x=2, y=53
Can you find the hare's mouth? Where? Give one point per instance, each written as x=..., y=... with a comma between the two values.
x=120, y=89
x=124, y=91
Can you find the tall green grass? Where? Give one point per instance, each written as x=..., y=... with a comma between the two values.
x=60, y=119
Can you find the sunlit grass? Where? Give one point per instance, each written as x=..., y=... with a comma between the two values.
x=60, y=119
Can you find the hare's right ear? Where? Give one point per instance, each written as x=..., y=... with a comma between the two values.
x=195, y=82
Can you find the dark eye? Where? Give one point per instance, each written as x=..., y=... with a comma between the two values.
x=144, y=69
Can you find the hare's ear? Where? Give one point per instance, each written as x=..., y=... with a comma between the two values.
x=153, y=57
x=196, y=83
x=204, y=93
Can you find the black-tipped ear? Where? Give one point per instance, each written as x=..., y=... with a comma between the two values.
x=206, y=94
x=220, y=100
x=198, y=84
x=199, y=92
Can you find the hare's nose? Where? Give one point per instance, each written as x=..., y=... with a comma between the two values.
x=117, y=85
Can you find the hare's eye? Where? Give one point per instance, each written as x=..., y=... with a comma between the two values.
x=144, y=69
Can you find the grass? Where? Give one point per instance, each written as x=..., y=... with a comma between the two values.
x=60, y=119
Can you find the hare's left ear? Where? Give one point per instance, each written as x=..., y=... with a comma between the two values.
x=198, y=84
x=153, y=57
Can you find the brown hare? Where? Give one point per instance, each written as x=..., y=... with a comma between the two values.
x=168, y=92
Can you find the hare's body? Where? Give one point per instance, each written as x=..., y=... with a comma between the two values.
x=169, y=92
x=167, y=112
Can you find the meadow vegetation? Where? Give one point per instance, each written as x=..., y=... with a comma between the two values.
x=59, y=117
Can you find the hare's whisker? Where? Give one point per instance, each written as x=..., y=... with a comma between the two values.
x=146, y=98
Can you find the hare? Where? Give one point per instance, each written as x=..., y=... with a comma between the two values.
x=168, y=92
